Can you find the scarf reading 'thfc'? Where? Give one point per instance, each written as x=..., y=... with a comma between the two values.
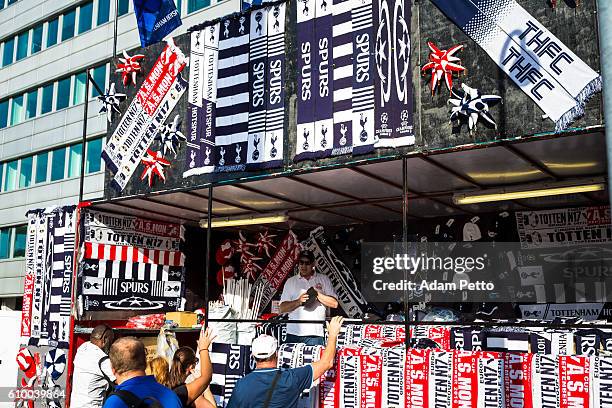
x=537, y=61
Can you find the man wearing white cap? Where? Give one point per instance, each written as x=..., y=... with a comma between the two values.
x=271, y=387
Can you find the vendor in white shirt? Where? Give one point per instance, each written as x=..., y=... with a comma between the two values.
x=295, y=301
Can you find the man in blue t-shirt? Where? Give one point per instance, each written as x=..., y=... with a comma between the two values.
x=271, y=387
x=128, y=361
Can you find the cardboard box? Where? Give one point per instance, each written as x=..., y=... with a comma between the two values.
x=183, y=319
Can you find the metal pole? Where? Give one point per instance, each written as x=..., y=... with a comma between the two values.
x=84, y=139
x=115, y=28
x=404, y=244
x=208, y=234
x=605, y=45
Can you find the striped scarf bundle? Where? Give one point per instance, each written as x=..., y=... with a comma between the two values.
x=237, y=94
x=354, y=85
x=130, y=263
x=47, y=298
x=230, y=363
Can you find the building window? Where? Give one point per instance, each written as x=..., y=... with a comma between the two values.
x=99, y=77
x=58, y=164
x=31, y=104
x=124, y=6
x=22, y=45
x=85, y=16
x=179, y=5
x=62, y=100
x=195, y=5
x=5, y=242
x=17, y=110
x=10, y=176
x=19, y=245
x=52, y=31
x=9, y=50
x=25, y=172
x=47, y=99
x=68, y=25
x=94, y=153
x=74, y=160
x=37, y=39
x=42, y=159
x=79, y=88
x=103, y=11
x=3, y=113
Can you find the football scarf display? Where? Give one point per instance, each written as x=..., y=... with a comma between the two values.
x=490, y=371
x=230, y=363
x=349, y=296
x=146, y=115
x=50, y=246
x=545, y=69
x=130, y=263
x=601, y=369
x=518, y=385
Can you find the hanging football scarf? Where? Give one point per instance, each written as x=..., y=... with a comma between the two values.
x=342, y=76
x=393, y=83
x=324, y=65
x=574, y=381
x=30, y=272
x=218, y=357
x=517, y=379
x=546, y=381
x=199, y=155
x=349, y=296
x=371, y=380
x=490, y=385
x=39, y=281
x=508, y=341
x=232, y=110
x=601, y=370
x=133, y=254
x=348, y=381
x=275, y=102
x=363, y=78
x=46, y=327
x=440, y=392
x=258, y=61
x=545, y=69
x=587, y=342
x=307, y=81
x=281, y=264
x=416, y=377
x=465, y=379
x=466, y=338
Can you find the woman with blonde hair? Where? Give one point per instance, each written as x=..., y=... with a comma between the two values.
x=158, y=367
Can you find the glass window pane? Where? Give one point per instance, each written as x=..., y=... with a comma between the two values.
x=179, y=5
x=3, y=113
x=12, y=1
x=17, y=110
x=52, y=28
x=20, y=241
x=47, y=99
x=5, y=242
x=85, y=16
x=10, y=176
x=94, y=158
x=9, y=48
x=123, y=7
x=22, y=45
x=99, y=77
x=194, y=5
x=62, y=100
x=37, y=38
x=103, y=11
x=68, y=25
x=1, y=4
x=74, y=160
x=58, y=161
x=25, y=172
x=31, y=104
x=41, y=167
x=79, y=88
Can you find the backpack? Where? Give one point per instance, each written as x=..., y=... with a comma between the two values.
x=132, y=401
x=110, y=387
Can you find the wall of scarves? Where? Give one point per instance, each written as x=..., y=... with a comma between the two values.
x=283, y=85
x=130, y=264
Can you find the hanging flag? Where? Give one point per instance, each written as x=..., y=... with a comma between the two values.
x=156, y=19
x=543, y=67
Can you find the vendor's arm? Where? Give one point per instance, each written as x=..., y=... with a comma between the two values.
x=199, y=385
x=327, y=295
x=327, y=358
x=289, y=306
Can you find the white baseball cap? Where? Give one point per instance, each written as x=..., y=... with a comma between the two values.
x=264, y=346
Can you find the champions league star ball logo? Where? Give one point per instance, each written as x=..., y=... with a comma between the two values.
x=404, y=115
x=384, y=118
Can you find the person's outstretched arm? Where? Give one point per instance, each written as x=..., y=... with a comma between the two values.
x=327, y=359
x=199, y=385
